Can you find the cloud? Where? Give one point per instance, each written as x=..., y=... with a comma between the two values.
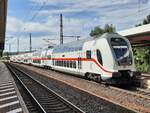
x=13, y=24
x=79, y=17
x=17, y=25
x=37, y=43
x=108, y=11
x=80, y=5
x=50, y=28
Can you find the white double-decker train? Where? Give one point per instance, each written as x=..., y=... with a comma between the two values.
x=108, y=58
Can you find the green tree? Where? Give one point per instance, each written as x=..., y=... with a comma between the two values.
x=109, y=28
x=98, y=31
x=145, y=21
x=138, y=25
x=142, y=54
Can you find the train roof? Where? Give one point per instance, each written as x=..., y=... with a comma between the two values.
x=77, y=45
x=72, y=46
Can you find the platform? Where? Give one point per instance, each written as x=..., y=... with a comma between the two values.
x=144, y=80
x=10, y=99
x=146, y=74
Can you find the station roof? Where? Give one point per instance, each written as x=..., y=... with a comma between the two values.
x=3, y=14
x=138, y=35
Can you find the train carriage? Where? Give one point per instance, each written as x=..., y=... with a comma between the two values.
x=108, y=58
x=46, y=58
x=36, y=58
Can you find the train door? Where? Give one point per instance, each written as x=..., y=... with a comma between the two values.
x=45, y=56
x=79, y=62
x=88, y=65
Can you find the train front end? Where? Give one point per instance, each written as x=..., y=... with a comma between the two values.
x=124, y=68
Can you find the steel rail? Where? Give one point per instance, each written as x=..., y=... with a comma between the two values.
x=64, y=101
x=130, y=92
x=30, y=94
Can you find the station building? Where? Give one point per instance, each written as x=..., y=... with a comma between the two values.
x=138, y=35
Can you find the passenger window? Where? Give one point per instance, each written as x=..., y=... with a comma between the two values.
x=74, y=64
x=88, y=54
x=67, y=63
x=61, y=63
x=99, y=56
x=70, y=64
x=53, y=62
x=56, y=63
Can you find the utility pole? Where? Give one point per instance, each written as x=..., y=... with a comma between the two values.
x=30, y=43
x=61, y=29
x=18, y=45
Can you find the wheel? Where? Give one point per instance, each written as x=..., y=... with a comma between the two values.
x=94, y=77
x=98, y=78
x=87, y=76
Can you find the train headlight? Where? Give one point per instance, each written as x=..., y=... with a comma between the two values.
x=131, y=74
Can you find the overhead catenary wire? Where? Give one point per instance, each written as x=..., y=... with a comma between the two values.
x=35, y=15
x=25, y=18
x=31, y=19
x=134, y=13
x=45, y=2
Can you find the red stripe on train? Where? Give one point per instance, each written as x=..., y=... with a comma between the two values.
x=82, y=59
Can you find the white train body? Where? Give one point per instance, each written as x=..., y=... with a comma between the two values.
x=108, y=58
x=46, y=58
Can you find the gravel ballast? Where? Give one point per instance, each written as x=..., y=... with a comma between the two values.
x=83, y=100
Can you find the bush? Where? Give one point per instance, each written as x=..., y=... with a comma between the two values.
x=141, y=56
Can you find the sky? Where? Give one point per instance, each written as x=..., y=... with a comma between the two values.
x=41, y=18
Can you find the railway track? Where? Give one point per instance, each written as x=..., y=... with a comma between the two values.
x=45, y=100
x=135, y=100
x=138, y=92
x=141, y=96
x=144, y=92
